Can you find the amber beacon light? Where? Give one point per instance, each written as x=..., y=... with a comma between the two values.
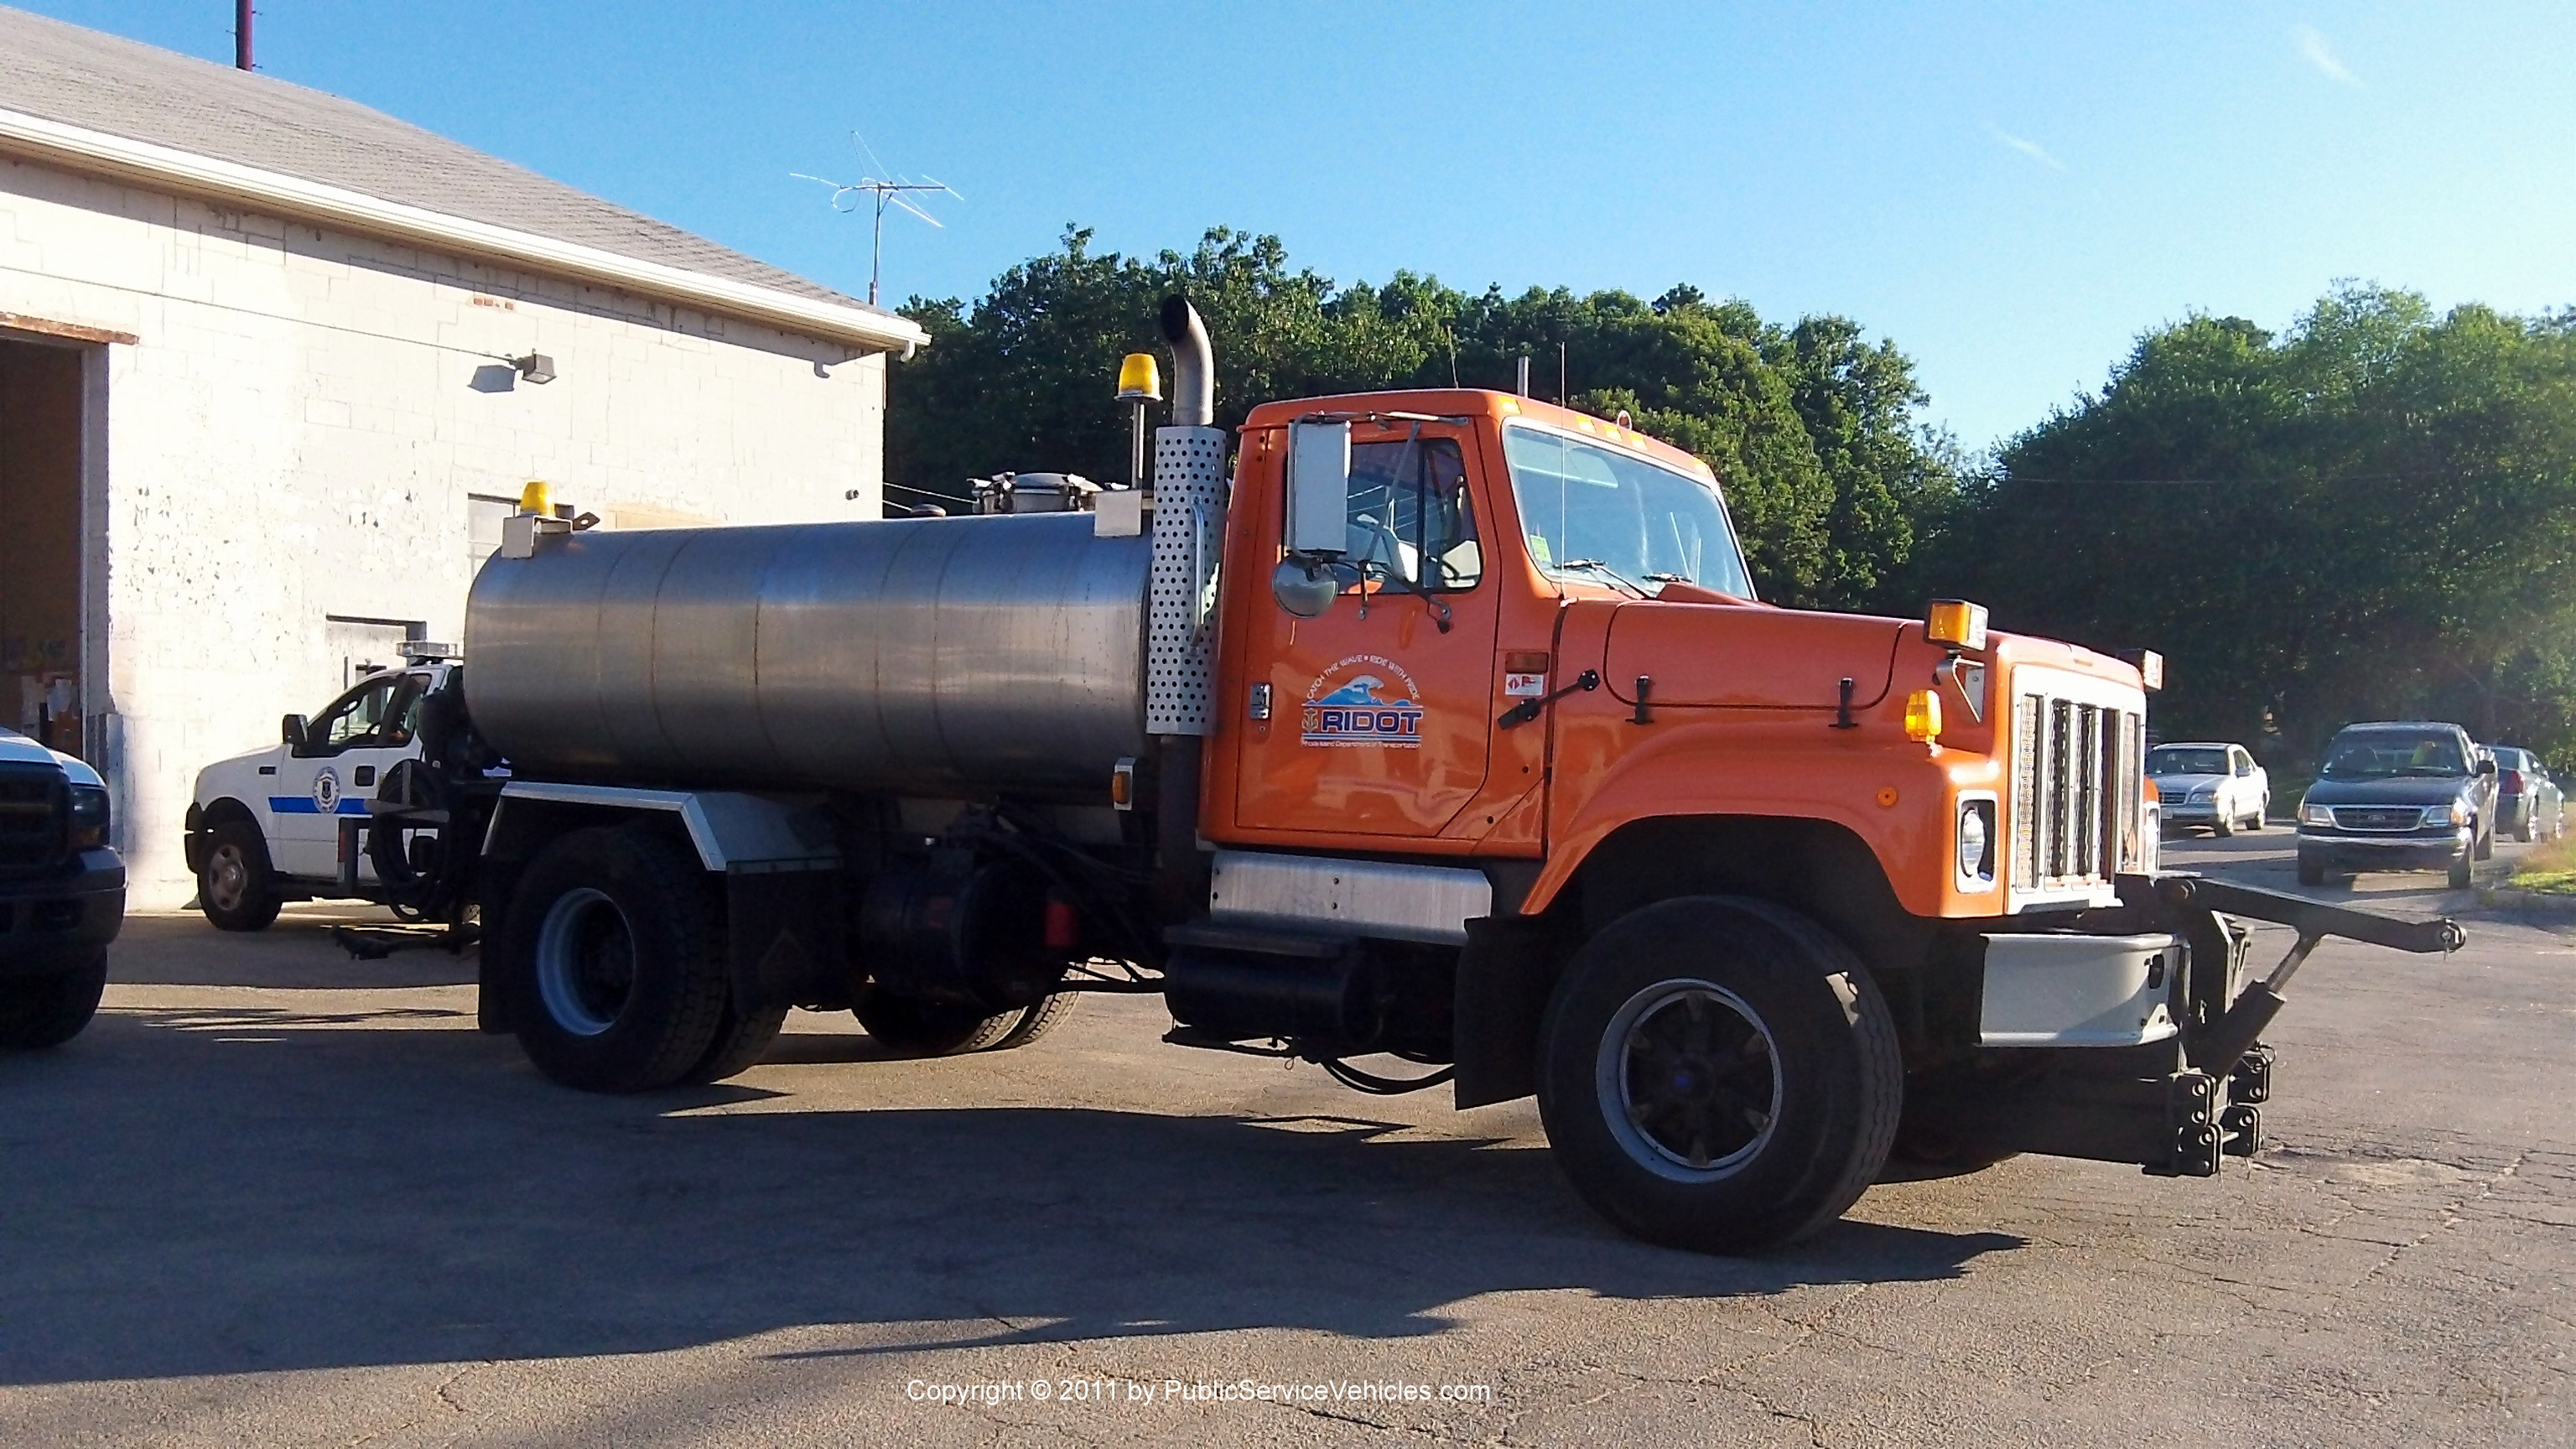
x=1923, y=717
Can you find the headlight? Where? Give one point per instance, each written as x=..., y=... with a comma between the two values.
x=2457, y=813
x=2315, y=814
x=89, y=816
x=2204, y=792
x=1977, y=840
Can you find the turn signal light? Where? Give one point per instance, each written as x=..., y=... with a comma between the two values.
x=1923, y=716
x=1956, y=621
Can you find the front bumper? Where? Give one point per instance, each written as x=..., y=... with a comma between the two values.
x=2384, y=852
x=58, y=922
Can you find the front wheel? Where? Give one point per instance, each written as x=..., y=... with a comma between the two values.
x=1717, y=1073
x=236, y=887
x=2312, y=871
x=43, y=1011
x=2221, y=825
x=2461, y=871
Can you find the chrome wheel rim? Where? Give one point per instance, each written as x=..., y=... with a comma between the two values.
x=1689, y=1078
x=227, y=878
x=585, y=961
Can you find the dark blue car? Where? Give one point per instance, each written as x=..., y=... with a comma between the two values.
x=2399, y=795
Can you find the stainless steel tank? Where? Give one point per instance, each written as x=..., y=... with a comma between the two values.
x=919, y=656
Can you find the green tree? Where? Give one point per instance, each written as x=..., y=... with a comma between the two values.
x=2371, y=515
x=1811, y=431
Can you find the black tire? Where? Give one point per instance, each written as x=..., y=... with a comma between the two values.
x=909, y=1027
x=1789, y=1015
x=2461, y=871
x=237, y=887
x=741, y=1041
x=1038, y=1020
x=2312, y=871
x=2221, y=826
x=2529, y=826
x=616, y=951
x=47, y=1010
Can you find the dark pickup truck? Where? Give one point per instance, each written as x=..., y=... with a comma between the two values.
x=62, y=893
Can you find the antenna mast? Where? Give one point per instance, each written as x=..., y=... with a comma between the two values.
x=897, y=192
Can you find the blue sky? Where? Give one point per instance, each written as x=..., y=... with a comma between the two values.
x=2010, y=192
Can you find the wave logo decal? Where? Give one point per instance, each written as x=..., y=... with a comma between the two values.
x=1365, y=700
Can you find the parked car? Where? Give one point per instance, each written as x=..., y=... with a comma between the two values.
x=264, y=828
x=2212, y=784
x=2399, y=795
x=62, y=893
x=2528, y=804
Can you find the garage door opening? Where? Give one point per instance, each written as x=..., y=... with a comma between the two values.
x=40, y=542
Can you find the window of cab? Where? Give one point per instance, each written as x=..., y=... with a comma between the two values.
x=1604, y=515
x=1412, y=522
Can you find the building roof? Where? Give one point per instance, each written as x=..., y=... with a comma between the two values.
x=85, y=81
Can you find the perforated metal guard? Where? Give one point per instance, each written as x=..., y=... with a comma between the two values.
x=1189, y=534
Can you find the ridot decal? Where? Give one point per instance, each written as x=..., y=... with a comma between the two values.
x=1364, y=700
x=326, y=791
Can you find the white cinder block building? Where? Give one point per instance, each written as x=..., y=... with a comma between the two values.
x=270, y=374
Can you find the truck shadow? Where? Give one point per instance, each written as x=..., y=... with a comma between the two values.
x=196, y=1193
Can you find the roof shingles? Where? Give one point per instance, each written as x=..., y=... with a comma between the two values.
x=78, y=77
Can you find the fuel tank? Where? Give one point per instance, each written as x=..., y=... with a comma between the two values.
x=921, y=656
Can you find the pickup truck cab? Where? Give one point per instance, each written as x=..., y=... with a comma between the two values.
x=62, y=893
x=265, y=827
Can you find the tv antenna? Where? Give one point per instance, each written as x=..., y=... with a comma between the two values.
x=880, y=191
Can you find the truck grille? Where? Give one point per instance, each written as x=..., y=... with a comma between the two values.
x=34, y=814
x=2378, y=817
x=2077, y=769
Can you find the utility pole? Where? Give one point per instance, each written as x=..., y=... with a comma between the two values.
x=241, y=35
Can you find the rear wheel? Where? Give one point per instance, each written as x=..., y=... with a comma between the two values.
x=1718, y=1073
x=741, y=1041
x=236, y=887
x=617, y=952
x=49, y=1009
x=910, y=1027
x=2529, y=828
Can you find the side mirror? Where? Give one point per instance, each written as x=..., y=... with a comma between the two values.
x=291, y=729
x=1319, y=489
x=2486, y=767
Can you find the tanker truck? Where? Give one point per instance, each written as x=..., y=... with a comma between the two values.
x=1438, y=738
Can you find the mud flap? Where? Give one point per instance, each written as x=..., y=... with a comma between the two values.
x=1505, y=975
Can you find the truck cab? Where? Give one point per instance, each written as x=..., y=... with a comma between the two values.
x=265, y=827
x=62, y=893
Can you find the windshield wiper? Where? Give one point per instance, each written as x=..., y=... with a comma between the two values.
x=1594, y=565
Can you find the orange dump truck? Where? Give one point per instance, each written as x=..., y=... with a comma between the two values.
x=1435, y=737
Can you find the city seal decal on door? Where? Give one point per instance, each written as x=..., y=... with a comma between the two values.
x=326, y=791
x=1365, y=700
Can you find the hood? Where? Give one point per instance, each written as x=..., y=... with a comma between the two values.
x=2403, y=790
x=17, y=749
x=2174, y=785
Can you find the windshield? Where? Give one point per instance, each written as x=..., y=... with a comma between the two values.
x=2387, y=754
x=2173, y=760
x=1604, y=515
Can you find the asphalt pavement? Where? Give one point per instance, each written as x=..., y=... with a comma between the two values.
x=279, y=1197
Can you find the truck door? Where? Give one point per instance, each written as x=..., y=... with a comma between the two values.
x=1378, y=709
x=346, y=750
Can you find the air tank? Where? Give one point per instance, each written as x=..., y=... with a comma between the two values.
x=933, y=656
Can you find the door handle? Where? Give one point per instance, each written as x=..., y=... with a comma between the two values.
x=366, y=774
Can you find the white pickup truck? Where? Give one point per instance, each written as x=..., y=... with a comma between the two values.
x=265, y=827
